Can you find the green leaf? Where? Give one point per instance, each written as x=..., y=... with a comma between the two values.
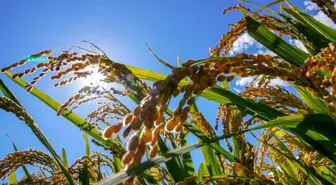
x=159, y=59
x=186, y=158
x=313, y=102
x=12, y=178
x=131, y=172
x=16, y=149
x=7, y=93
x=174, y=166
x=209, y=155
x=87, y=144
x=311, y=34
x=275, y=43
x=203, y=171
x=326, y=173
x=42, y=172
x=64, y=158
x=99, y=173
x=308, y=31
x=236, y=147
x=295, y=164
x=211, y=160
x=287, y=166
x=39, y=134
x=84, y=176
x=117, y=164
x=306, y=19
x=296, y=124
x=317, y=130
x=72, y=117
x=150, y=179
x=256, y=109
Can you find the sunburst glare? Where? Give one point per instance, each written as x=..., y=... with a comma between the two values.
x=95, y=76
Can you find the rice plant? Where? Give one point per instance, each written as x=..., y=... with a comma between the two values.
x=294, y=132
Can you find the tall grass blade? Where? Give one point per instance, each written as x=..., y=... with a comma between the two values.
x=203, y=171
x=308, y=31
x=5, y=90
x=275, y=43
x=129, y=173
x=72, y=117
x=150, y=179
x=317, y=130
x=211, y=160
x=159, y=59
x=256, y=109
x=99, y=173
x=306, y=19
x=326, y=173
x=28, y=177
x=39, y=134
x=42, y=172
x=12, y=179
x=64, y=158
x=209, y=155
x=186, y=158
x=87, y=144
x=313, y=102
x=84, y=176
x=174, y=166
x=295, y=164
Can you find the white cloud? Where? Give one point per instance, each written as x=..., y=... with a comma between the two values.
x=243, y=82
x=298, y=44
x=245, y=42
x=237, y=90
x=310, y=6
x=242, y=43
x=266, y=52
x=320, y=16
x=278, y=82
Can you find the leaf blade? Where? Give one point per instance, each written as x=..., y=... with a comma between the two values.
x=275, y=43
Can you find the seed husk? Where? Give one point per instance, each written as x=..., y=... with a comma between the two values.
x=128, y=157
x=133, y=143
x=112, y=130
x=128, y=119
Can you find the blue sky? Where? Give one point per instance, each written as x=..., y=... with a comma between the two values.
x=121, y=29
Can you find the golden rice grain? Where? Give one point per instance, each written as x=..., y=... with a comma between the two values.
x=128, y=157
x=127, y=131
x=147, y=137
x=137, y=110
x=128, y=119
x=136, y=123
x=170, y=124
x=153, y=152
x=133, y=143
x=112, y=130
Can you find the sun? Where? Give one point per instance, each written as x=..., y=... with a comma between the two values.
x=95, y=77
